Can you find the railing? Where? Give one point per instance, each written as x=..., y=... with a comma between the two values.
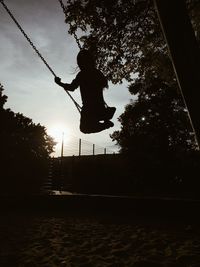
x=74, y=146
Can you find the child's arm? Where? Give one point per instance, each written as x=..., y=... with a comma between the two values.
x=66, y=86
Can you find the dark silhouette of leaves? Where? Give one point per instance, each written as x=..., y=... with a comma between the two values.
x=25, y=150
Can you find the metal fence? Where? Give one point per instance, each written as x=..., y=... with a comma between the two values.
x=75, y=146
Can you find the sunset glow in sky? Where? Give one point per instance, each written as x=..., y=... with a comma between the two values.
x=28, y=83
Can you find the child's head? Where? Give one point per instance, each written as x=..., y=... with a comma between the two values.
x=85, y=59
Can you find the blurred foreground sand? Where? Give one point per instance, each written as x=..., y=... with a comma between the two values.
x=46, y=240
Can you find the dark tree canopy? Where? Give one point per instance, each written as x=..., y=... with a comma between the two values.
x=155, y=129
x=156, y=122
x=127, y=38
x=20, y=131
x=25, y=150
x=124, y=34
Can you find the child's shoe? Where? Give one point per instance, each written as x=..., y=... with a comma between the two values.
x=108, y=124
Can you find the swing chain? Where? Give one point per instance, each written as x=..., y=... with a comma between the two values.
x=27, y=38
x=77, y=39
x=36, y=50
x=74, y=33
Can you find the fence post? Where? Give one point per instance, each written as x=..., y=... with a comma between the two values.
x=93, y=149
x=105, y=151
x=62, y=145
x=79, y=153
x=61, y=165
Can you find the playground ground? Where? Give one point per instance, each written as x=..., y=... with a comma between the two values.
x=70, y=240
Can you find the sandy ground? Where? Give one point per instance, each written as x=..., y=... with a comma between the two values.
x=33, y=240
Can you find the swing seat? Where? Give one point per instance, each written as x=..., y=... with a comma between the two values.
x=90, y=122
x=109, y=113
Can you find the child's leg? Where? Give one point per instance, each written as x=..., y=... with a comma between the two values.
x=110, y=111
x=106, y=113
x=89, y=124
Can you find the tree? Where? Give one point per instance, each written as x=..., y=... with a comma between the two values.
x=126, y=35
x=122, y=32
x=25, y=150
x=127, y=39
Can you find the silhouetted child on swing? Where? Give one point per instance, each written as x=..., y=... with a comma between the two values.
x=95, y=114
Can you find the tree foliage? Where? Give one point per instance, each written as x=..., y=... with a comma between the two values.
x=157, y=122
x=126, y=37
x=25, y=149
x=129, y=44
x=123, y=33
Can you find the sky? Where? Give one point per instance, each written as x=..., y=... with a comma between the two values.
x=29, y=84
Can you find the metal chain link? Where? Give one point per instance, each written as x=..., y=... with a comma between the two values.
x=27, y=38
x=36, y=50
x=77, y=39
x=74, y=33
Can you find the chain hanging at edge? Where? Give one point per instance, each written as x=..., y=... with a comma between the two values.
x=74, y=33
